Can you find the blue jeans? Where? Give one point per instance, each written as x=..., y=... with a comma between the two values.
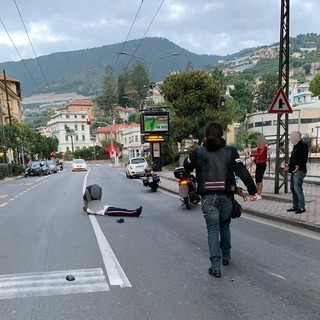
x=296, y=182
x=217, y=213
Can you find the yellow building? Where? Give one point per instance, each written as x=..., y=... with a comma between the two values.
x=10, y=100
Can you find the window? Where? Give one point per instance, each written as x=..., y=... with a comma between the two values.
x=67, y=149
x=65, y=127
x=136, y=139
x=82, y=127
x=125, y=140
x=77, y=138
x=67, y=138
x=75, y=116
x=68, y=116
x=83, y=137
x=75, y=127
x=83, y=116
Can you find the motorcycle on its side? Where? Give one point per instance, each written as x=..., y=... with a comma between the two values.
x=151, y=179
x=187, y=187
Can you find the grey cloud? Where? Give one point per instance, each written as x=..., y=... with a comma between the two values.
x=202, y=26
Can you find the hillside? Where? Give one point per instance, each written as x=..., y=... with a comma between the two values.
x=81, y=71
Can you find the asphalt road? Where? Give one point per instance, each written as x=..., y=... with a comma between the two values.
x=151, y=267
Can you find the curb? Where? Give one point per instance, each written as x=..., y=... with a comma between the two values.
x=293, y=223
x=260, y=214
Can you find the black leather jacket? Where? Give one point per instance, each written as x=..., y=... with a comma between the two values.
x=216, y=169
x=299, y=157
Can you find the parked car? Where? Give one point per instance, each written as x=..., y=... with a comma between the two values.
x=135, y=167
x=38, y=168
x=52, y=166
x=79, y=165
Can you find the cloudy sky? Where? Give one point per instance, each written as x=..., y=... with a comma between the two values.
x=201, y=26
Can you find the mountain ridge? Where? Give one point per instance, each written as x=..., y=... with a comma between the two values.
x=81, y=71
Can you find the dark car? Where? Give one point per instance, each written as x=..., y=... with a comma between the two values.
x=52, y=165
x=37, y=168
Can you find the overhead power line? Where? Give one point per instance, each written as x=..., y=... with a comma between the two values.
x=151, y=22
x=19, y=54
x=34, y=52
x=124, y=43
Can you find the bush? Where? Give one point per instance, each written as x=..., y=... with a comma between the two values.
x=4, y=170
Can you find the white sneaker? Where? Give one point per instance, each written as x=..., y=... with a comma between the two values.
x=259, y=197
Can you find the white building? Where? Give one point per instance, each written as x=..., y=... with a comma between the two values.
x=128, y=135
x=131, y=141
x=304, y=118
x=71, y=129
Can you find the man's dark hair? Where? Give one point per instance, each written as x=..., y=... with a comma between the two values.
x=213, y=129
x=213, y=136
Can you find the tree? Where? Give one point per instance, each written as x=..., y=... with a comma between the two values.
x=307, y=68
x=108, y=98
x=243, y=94
x=123, y=83
x=133, y=86
x=315, y=85
x=266, y=91
x=139, y=78
x=18, y=135
x=194, y=96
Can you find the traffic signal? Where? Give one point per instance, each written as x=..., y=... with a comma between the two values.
x=88, y=121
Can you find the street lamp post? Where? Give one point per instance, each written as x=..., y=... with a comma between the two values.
x=149, y=64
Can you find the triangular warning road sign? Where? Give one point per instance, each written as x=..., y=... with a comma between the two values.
x=280, y=103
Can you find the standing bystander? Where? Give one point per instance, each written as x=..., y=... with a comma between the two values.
x=260, y=156
x=298, y=168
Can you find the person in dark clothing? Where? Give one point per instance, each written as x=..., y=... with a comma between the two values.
x=92, y=204
x=216, y=165
x=298, y=168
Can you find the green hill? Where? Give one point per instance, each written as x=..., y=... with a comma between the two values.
x=81, y=71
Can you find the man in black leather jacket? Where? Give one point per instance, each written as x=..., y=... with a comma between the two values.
x=216, y=165
x=298, y=168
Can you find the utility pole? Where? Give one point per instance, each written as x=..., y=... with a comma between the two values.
x=7, y=97
x=284, y=83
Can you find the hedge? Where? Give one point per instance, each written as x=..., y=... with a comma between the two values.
x=4, y=170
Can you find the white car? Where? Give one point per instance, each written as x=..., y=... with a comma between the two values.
x=135, y=167
x=79, y=165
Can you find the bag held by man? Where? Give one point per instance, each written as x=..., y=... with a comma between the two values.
x=236, y=209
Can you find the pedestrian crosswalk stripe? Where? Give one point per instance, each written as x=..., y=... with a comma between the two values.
x=52, y=283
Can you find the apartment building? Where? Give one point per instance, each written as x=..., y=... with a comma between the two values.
x=79, y=106
x=10, y=100
x=71, y=129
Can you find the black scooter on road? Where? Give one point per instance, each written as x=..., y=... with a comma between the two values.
x=151, y=179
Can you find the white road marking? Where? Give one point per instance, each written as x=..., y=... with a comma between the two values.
x=274, y=274
x=42, y=284
x=115, y=273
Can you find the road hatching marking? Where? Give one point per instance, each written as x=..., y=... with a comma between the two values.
x=42, y=284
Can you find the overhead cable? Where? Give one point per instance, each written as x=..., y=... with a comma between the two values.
x=155, y=15
x=124, y=43
x=19, y=55
x=34, y=52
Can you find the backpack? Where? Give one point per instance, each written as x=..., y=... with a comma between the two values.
x=93, y=192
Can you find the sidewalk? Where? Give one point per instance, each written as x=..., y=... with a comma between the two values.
x=272, y=206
